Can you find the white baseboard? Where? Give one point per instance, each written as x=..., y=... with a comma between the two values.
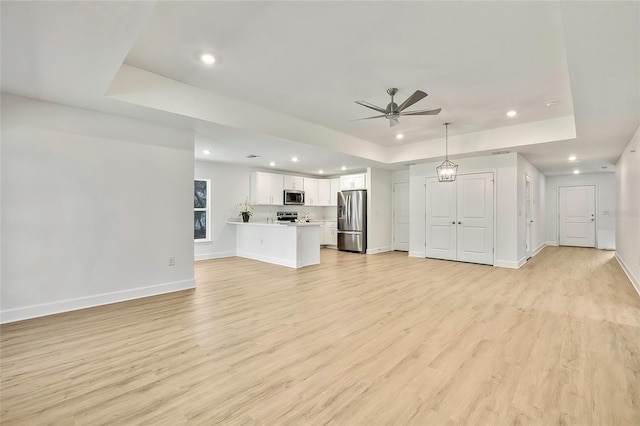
x=416, y=254
x=378, y=250
x=34, y=311
x=219, y=255
x=507, y=264
x=627, y=271
x=538, y=249
x=552, y=243
x=521, y=262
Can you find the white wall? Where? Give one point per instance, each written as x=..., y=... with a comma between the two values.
x=628, y=210
x=538, y=210
x=605, y=206
x=93, y=205
x=379, y=214
x=505, y=167
x=400, y=176
x=229, y=186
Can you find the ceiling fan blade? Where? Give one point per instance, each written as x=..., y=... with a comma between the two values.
x=423, y=112
x=393, y=121
x=369, y=118
x=417, y=95
x=373, y=107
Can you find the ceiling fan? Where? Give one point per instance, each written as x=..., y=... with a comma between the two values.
x=393, y=110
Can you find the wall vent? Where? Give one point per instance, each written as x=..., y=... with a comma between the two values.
x=253, y=156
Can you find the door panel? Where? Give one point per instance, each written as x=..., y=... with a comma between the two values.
x=577, y=216
x=441, y=218
x=475, y=218
x=473, y=240
x=528, y=216
x=401, y=216
x=473, y=194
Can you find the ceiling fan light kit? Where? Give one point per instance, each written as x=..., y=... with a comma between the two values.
x=448, y=170
x=393, y=111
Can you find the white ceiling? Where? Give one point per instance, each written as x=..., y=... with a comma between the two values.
x=287, y=74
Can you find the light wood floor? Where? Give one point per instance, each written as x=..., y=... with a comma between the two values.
x=372, y=340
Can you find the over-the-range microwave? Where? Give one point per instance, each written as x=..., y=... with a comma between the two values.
x=293, y=197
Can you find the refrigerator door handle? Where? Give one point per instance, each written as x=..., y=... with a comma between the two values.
x=350, y=232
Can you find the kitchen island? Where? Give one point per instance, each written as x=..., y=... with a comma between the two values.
x=292, y=244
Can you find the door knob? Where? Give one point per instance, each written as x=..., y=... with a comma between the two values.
x=453, y=223
x=459, y=223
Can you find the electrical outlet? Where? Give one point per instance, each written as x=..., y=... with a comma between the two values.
x=172, y=260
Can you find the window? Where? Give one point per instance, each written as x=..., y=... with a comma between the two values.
x=201, y=205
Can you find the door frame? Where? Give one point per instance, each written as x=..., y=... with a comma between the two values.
x=495, y=204
x=595, y=208
x=528, y=249
x=393, y=213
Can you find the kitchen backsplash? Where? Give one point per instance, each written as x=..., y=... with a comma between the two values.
x=262, y=213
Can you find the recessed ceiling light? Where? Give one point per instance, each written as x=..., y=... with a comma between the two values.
x=576, y=172
x=573, y=158
x=343, y=168
x=320, y=171
x=207, y=58
x=294, y=159
x=512, y=113
x=399, y=136
x=273, y=163
x=206, y=152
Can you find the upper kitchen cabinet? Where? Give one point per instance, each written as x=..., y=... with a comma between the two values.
x=358, y=181
x=266, y=188
x=328, y=191
x=324, y=192
x=311, y=194
x=293, y=182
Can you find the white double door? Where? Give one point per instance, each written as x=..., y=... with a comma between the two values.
x=459, y=218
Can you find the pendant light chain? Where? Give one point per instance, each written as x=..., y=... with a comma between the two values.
x=448, y=170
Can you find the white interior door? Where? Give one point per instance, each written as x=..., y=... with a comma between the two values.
x=475, y=218
x=401, y=216
x=528, y=217
x=577, y=216
x=441, y=219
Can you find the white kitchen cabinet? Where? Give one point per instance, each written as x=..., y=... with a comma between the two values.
x=323, y=234
x=358, y=181
x=324, y=192
x=331, y=233
x=293, y=182
x=335, y=188
x=266, y=189
x=311, y=186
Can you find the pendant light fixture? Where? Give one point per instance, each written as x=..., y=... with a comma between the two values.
x=448, y=170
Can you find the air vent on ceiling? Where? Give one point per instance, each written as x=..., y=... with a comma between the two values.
x=500, y=152
x=252, y=156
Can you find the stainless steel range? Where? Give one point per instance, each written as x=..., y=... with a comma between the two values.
x=287, y=216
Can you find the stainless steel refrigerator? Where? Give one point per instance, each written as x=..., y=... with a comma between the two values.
x=352, y=221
